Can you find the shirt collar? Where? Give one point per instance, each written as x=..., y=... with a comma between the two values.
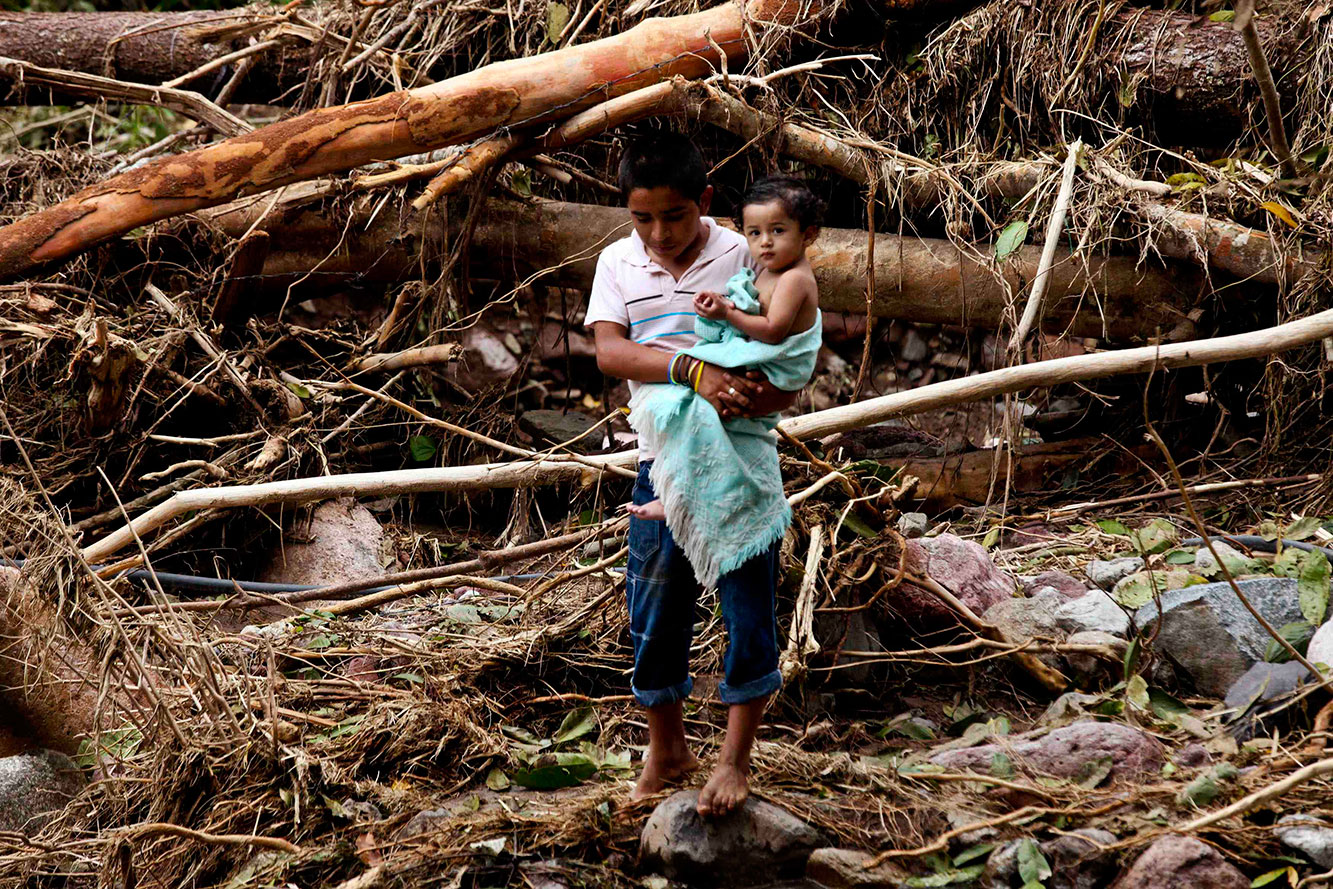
x=714, y=247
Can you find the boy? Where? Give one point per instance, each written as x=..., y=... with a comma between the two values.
x=641, y=311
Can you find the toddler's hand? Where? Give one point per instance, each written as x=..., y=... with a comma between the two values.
x=710, y=305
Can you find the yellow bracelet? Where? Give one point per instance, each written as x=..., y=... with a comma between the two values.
x=698, y=373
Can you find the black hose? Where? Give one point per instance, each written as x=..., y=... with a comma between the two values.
x=1261, y=544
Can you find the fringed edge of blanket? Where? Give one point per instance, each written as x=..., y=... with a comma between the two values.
x=707, y=570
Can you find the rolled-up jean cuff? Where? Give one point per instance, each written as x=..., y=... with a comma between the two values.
x=755, y=688
x=660, y=697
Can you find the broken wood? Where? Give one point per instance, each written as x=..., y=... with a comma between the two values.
x=530, y=473
x=1054, y=230
x=90, y=86
x=515, y=93
x=423, y=356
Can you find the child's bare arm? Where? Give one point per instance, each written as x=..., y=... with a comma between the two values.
x=790, y=295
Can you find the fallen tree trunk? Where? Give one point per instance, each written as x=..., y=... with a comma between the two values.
x=1255, y=344
x=516, y=93
x=921, y=280
x=147, y=47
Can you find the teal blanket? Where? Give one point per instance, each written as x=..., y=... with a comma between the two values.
x=719, y=480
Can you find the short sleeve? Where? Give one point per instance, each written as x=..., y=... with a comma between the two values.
x=606, y=302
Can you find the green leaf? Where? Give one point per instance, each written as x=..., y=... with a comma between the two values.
x=557, y=16
x=1180, y=180
x=497, y=780
x=423, y=447
x=298, y=390
x=1157, y=536
x=1001, y=766
x=576, y=724
x=1179, y=557
x=1298, y=634
x=1136, y=692
x=1136, y=590
x=1315, y=157
x=1288, y=562
x=551, y=771
x=521, y=182
x=1094, y=771
x=948, y=878
x=1312, y=586
x=1224, y=15
x=1131, y=661
x=1165, y=706
x=1111, y=526
x=1264, y=879
x=318, y=642
x=1199, y=792
x=1011, y=238
x=1268, y=530
x=972, y=853
x=992, y=537
x=1032, y=865
x=1302, y=528
x=854, y=523
x=914, y=729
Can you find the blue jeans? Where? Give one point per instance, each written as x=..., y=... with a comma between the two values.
x=662, y=593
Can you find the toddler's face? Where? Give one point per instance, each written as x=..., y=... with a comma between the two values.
x=776, y=240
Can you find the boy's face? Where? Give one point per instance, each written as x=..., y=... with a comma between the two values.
x=666, y=220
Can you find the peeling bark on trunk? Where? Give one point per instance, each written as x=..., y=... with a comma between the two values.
x=146, y=47
x=520, y=92
x=1192, y=75
x=919, y=280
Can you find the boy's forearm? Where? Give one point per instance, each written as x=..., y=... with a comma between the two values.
x=632, y=361
x=756, y=327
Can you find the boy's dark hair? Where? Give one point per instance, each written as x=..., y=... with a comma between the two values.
x=664, y=159
x=794, y=195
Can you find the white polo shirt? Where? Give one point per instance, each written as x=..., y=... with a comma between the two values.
x=631, y=289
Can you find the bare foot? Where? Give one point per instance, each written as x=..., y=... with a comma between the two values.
x=726, y=789
x=653, y=511
x=659, y=771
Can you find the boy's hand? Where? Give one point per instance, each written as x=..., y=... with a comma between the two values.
x=710, y=305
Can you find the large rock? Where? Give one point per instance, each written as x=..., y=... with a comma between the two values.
x=1094, y=611
x=1320, y=650
x=1022, y=619
x=757, y=843
x=1089, y=666
x=35, y=785
x=1210, y=636
x=486, y=360
x=845, y=869
x=1066, y=585
x=1311, y=836
x=340, y=541
x=1106, y=574
x=1184, y=862
x=1069, y=752
x=960, y=566
x=558, y=427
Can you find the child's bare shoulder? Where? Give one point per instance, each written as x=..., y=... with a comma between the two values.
x=799, y=279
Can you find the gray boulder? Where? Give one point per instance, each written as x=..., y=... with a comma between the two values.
x=1068, y=752
x=1210, y=636
x=1093, y=611
x=913, y=524
x=757, y=843
x=34, y=786
x=1106, y=574
x=1181, y=861
x=1311, y=836
x=1024, y=618
x=1066, y=585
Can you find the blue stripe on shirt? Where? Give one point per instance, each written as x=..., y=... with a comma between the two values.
x=660, y=317
x=668, y=333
